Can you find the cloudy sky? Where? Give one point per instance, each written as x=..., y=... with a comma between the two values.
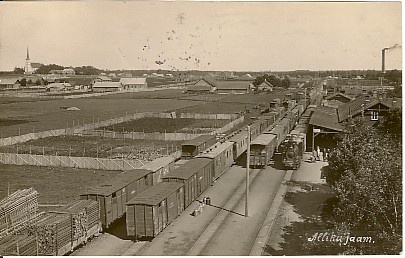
x=240, y=36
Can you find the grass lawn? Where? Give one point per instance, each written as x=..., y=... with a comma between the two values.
x=54, y=185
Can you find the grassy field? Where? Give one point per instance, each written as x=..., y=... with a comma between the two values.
x=168, y=125
x=80, y=146
x=47, y=115
x=54, y=185
x=42, y=115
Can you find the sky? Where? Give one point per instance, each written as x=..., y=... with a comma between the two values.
x=233, y=36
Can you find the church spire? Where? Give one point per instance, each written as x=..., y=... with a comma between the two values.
x=28, y=54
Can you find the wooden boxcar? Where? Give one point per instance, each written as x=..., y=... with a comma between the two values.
x=239, y=143
x=222, y=156
x=196, y=175
x=113, y=194
x=280, y=131
x=160, y=167
x=154, y=209
x=193, y=147
x=254, y=130
x=262, y=150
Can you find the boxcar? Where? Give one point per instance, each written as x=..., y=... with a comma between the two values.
x=262, y=150
x=112, y=195
x=222, y=156
x=239, y=144
x=254, y=130
x=159, y=168
x=193, y=147
x=196, y=175
x=154, y=209
x=280, y=131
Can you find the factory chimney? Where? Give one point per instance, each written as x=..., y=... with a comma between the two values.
x=383, y=59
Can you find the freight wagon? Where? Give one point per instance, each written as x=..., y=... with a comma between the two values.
x=159, y=167
x=196, y=175
x=112, y=195
x=239, y=141
x=222, y=156
x=262, y=150
x=193, y=147
x=153, y=210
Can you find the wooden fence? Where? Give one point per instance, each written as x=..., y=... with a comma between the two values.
x=79, y=129
x=74, y=162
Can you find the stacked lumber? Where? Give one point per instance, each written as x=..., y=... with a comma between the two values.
x=24, y=245
x=84, y=214
x=21, y=228
x=18, y=207
x=52, y=233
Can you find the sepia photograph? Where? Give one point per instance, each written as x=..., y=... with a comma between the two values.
x=200, y=128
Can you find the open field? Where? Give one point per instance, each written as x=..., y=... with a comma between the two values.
x=83, y=146
x=47, y=115
x=168, y=125
x=61, y=185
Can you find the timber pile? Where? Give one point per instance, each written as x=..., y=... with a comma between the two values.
x=84, y=214
x=52, y=233
x=13, y=245
x=21, y=228
x=20, y=206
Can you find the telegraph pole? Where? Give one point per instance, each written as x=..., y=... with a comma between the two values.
x=247, y=172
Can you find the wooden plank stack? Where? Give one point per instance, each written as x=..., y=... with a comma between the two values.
x=24, y=245
x=20, y=206
x=53, y=234
x=84, y=215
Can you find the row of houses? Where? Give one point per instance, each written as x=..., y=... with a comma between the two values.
x=209, y=85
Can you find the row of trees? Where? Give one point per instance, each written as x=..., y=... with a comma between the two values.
x=46, y=69
x=365, y=171
x=274, y=80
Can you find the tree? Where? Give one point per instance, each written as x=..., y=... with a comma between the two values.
x=45, y=69
x=365, y=170
x=23, y=82
x=18, y=70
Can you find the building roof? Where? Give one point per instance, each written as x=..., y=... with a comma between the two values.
x=158, y=163
x=156, y=194
x=210, y=80
x=265, y=84
x=215, y=150
x=355, y=107
x=339, y=94
x=104, y=78
x=8, y=81
x=187, y=170
x=199, y=88
x=263, y=139
x=107, y=85
x=133, y=80
x=199, y=140
x=59, y=85
x=326, y=117
x=233, y=85
x=120, y=181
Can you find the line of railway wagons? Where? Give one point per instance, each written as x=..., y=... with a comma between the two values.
x=271, y=140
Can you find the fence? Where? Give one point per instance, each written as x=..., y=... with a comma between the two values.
x=157, y=135
x=86, y=127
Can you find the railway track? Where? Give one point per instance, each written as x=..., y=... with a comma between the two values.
x=234, y=234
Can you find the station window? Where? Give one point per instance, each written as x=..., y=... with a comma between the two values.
x=374, y=116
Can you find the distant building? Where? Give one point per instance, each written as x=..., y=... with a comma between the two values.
x=204, y=85
x=337, y=100
x=9, y=84
x=29, y=67
x=133, y=83
x=265, y=86
x=68, y=71
x=102, y=78
x=107, y=86
x=112, y=75
x=233, y=87
x=59, y=86
x=60, y=72
x=126, y=75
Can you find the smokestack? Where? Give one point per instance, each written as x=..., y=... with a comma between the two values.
x=383, y=59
